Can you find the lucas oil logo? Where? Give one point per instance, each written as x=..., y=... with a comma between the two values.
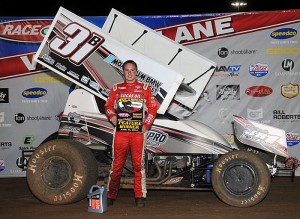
x=156, y=138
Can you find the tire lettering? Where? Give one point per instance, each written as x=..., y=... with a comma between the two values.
x=224, y=161
x=76, y=179
x=261, y=188
x=218, y=170
x=255, y=196
x=31, y=167
x=37, y=156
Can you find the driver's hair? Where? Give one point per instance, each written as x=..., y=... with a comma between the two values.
x=129, y=62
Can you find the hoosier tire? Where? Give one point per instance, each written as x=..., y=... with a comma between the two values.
x=61, y=171
x=241, y=178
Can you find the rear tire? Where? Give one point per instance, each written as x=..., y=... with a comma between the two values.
x=61, y=171
x=241, y=178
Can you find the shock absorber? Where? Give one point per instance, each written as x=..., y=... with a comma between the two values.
x=208, y=173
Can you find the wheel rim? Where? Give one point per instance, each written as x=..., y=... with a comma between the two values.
x=56, y=172
x=240, y=178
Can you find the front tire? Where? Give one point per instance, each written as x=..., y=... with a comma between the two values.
x=241, y=178
x=61, y=171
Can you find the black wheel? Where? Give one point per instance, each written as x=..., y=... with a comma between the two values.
x=61, y=171
x=241, y=178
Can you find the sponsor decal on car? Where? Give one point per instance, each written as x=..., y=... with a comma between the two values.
x=156, y=138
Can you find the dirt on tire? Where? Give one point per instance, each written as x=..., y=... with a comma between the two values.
x=241, y=178
x=61, y=171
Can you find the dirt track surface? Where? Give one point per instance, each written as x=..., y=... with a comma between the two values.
x=283, y=201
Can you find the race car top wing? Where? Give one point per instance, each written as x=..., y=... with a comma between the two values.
x=86, y=55
x=195, y=68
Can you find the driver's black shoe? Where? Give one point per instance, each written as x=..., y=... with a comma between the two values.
x=140, y=202
x=110, y=201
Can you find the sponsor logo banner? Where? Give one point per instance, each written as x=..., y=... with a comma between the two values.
x=290, y=90
x=258, y=91
x=4, y=95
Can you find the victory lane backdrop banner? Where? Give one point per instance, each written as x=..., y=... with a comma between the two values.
x=256, y=73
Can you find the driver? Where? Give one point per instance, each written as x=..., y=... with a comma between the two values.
x=127, y=140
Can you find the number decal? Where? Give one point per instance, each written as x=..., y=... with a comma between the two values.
x=78, y=44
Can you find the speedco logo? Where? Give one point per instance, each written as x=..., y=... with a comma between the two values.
x=35, y=92
x=30, y=31
x=284, y=33
x=258, y=91
x=278, y=51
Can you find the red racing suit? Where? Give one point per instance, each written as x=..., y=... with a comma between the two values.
x=134, y=141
